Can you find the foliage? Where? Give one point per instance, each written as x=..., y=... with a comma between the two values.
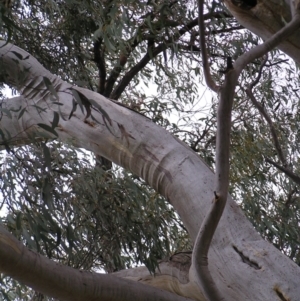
x=146, y=55
x=74, y=212
x=270, y=198
x=71, y=207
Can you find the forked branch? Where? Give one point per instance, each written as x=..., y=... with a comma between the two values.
x=269, y=44
x=210, y=223
x=200, y=254
x=153, y=51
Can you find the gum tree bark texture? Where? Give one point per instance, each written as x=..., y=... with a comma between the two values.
x=266, y=18
x=243, y=265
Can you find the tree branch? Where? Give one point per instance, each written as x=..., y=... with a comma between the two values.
x=259, y=51
x=195, y=22
x=208, y=78
x=210, y=223
x=200, y=261
x=291, y=199
x=223, y=30
x=69, y=284
x=264, y=113
x=269, y=44
x=99, y=60
x=286, y=170
x=158, y=49
x=151, y=153
x=118, y=68
x=151, y=53
x=208, y=227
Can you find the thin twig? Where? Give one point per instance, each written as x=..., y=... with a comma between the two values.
x=118, y=90
x=290, y=198
x=265, y=115
x=136, y=69
x=277, y=63
x=285, y=170
x=256, y=81
x=208, y=78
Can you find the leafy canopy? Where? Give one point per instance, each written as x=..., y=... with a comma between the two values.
x=145, y=54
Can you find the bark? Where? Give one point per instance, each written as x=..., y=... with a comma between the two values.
x=66, y=283
x=243, y=265
x=266, y=18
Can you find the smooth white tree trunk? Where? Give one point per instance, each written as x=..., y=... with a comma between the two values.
x=266, y=18
x=243, y=265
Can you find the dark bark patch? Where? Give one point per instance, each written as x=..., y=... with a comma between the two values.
x=246, y=259
x=280, y=294
x=245, y=4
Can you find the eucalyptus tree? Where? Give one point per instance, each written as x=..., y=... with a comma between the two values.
x=72, y=213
